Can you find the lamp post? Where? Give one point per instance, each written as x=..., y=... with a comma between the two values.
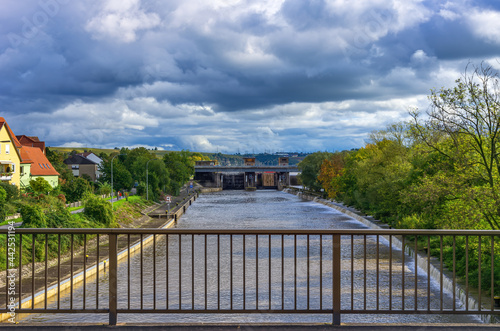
x=112, y=191
x=147, y=181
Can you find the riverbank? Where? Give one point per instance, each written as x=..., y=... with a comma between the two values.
x=422, y=261
x=54, y=277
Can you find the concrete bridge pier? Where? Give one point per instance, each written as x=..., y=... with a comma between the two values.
x=250, y=180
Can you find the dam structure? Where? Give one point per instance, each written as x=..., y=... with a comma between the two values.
x=245, y=177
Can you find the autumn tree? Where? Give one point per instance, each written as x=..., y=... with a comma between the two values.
x=310, y=168
x=330, y=174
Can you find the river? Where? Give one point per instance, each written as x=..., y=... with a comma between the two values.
x=258, y=210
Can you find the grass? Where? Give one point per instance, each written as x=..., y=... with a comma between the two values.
x=15, y=220
x=70, y=209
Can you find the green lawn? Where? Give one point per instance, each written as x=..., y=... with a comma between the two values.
x=15, y=220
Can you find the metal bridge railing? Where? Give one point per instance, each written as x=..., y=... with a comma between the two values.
x=249, y=271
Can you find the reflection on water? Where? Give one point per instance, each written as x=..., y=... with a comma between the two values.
x=278, y=269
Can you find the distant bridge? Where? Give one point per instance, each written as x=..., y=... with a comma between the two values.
x=244, y=177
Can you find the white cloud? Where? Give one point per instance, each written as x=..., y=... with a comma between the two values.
x=121, y=20
x=485, y=24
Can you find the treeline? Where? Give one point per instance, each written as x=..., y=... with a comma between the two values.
x=165, y=175
x=439, y=170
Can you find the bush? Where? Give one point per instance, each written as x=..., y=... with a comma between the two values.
x=62, y=197
x=33, y=217
x=12, y=190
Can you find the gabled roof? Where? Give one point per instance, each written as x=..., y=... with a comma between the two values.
x=78, y=159
x=40, y=165
x=32, y=139
x=12, y=136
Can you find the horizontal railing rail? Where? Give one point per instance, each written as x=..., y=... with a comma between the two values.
x=193, y=271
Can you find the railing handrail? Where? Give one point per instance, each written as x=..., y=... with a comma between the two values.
x=254, y=231
x=285, y=264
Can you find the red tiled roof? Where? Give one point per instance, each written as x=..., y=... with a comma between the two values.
x=12, y=136
x=40, y=166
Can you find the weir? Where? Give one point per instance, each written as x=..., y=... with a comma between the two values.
x=248, y=176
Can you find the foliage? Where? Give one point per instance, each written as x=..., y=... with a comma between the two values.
x=180, y=166
x=75, y=189
x=11, y=190
x=57, y=161
x=3, y=198
x=104, y=188
x=40, y=185
x=467, y=118
x=331, y=173
x=98, y=210
x=33, y=216
x=310, y=169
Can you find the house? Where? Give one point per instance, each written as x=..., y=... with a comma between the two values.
x=22, y=162
x=35, y=164
x=92, y=157
x=80, y=166
x=10, y=155
x=31, y=142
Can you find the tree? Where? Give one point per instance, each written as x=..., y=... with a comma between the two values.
x=40, y=186
x=57, y=160
x=468, y=115
x=75, y=189
x=122, y=179
x=330, y=174
x=180, y=166
x=310, y=168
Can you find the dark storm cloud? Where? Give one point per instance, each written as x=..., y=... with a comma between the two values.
x=198, y=75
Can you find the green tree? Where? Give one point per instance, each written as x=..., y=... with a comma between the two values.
x=57, y=160
x=468, y=117
x=310, y=168
x=40, y=186
x=180, y=167
x=75, y=189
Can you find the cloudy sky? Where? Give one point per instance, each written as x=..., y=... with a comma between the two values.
x=231, y=75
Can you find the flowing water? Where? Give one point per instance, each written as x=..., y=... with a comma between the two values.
x=259, y=210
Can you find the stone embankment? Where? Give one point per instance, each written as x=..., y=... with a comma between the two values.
x=372, y=223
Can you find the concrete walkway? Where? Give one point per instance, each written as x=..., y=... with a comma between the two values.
x=256, y=327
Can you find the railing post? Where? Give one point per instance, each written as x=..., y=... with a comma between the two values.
x=336, y=272
x=113, y=279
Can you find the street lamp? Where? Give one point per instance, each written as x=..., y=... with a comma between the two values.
x=147, y=181
x=112, y=191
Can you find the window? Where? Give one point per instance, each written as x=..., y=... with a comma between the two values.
x=13, y=168
x=0, y=148
x=7, y=149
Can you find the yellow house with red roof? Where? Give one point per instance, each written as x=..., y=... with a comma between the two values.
x=19, y=164
x=10, y=155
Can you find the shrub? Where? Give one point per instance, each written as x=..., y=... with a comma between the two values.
x=33, y=216
x=98, y=210
x=62, y=197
